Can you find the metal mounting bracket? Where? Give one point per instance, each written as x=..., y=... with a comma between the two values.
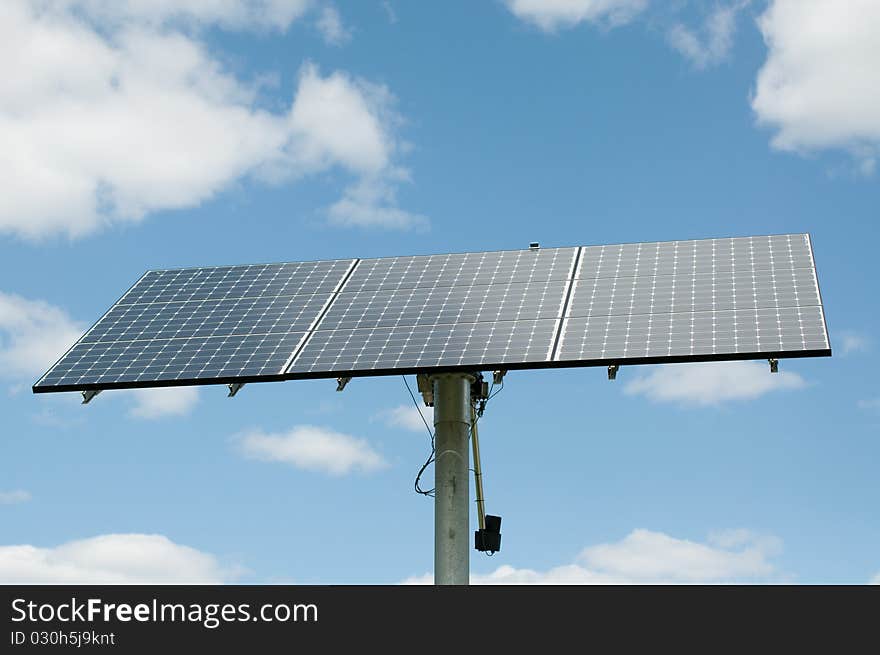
x=423, y=382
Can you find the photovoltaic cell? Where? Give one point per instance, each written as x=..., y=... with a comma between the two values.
x=424, y=346
x=260, y=280
x=207, y=318
x=711, y=299
x=168, y=360
x=446, y=305
x=463, y=269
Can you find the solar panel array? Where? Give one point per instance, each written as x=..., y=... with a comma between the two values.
x=632, y=303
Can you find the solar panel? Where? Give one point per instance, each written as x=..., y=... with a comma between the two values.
x=442, y=310
x=739, y=298
x=685, y=299
x=201, y=325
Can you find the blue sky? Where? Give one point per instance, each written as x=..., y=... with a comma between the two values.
x=142, y=136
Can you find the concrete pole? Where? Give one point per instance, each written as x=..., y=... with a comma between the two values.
x=452, y=424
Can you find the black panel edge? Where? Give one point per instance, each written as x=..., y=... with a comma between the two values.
x=488, y=366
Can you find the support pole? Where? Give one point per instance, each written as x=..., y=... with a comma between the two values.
x=452, y=426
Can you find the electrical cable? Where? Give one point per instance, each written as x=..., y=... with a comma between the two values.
x=430, y=460
x=489, y=397
x=417, y=484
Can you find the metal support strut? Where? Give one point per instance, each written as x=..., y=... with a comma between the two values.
x=478, y=471
x=452, y=427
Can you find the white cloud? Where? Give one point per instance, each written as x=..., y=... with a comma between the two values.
x=648, y=557
x=112, y=559
x=313, y=449
x=14, y=497
x=875, y=579
x=653, y=556
x=871, y=403
x=853, y=342
x=337, y=119
x=107, y=123
x=408, y=417
x=715, y=39
x=33, y=335
x=819, y=87
x=331, y=28
x=712, y=383
x=278, y=14
x=550, y=15
x=389, y=12
x=372, y=203
x=162, y=402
